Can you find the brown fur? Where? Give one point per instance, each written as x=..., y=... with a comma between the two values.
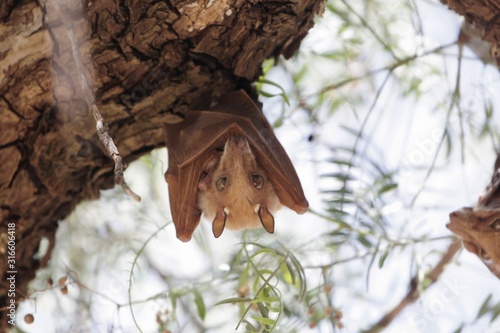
x=479, y=227
x=476, y=227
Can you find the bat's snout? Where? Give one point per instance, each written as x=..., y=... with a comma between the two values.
x=451, y=225
x=458, y=220
x=461, y=213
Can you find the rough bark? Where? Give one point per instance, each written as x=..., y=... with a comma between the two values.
x=485, y=16
x=148, y=61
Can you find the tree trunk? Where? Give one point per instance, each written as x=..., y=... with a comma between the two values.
x=485, y=17
x=148, y=62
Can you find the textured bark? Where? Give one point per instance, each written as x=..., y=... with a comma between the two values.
x=148, y=61
x=485, y=16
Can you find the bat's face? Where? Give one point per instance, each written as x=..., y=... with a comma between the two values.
x=235, y=192
x=479, y=229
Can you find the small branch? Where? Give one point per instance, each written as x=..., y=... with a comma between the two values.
x=102, y=131
x=455, y=99
x=390, y=68
x=101, y=126
x=414, y=293
x=373, y=32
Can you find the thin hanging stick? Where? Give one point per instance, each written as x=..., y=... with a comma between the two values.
x=101, y=126
x=414, y=293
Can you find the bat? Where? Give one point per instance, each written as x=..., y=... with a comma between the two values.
x=479, y=227
x=226, y=163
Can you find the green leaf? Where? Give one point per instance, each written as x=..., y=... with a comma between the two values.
x=243, y=280
x=287, y=273
x=264, y=321
x=233, y=300
x=496, y=312
x=200, y=304
x=267, y=94
x=266, y=299
x=262, y=251
x=267, y=65
x=387, y=188
x=298, y=76
x=264, y=311
x=448, y=142
x=274, y=84
x=173, y=299
x=279, y=122
x=382, y=258
x=275, y=309
x=340, y=162
x=363, y=240
x=484, y=307
x=343, y=201
x=302, y=284
x=249, y=327
x=334, y=210
x=342, y=191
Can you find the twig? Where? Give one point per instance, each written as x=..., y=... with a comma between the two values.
x=455, y=99
x=373, y=32
x=101, y=126
x=414, y=293
x=390, y=67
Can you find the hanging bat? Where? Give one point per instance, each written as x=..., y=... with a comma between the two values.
x=226, y=163
x=479, y=227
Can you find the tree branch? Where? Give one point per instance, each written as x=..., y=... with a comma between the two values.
x=414, y=292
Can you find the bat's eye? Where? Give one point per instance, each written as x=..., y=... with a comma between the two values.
x=258, y=181
x=220, y=183
x=495, y=225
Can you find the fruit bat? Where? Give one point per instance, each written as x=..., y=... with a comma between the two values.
x=226, y=163
x=479, y=227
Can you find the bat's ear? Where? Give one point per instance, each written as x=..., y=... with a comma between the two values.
x=219, y=223
x=267, y=219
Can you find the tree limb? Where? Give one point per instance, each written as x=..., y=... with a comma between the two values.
x=414, y=292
